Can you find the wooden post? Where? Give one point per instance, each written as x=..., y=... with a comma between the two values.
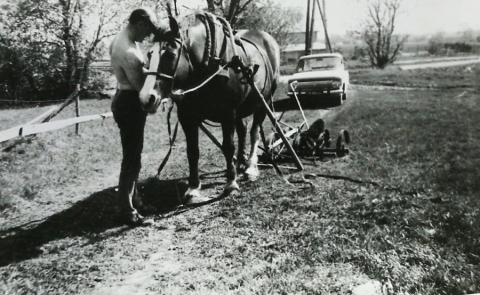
x=324, y=21
x=77, y=107
x=312, y=30
x=307, y=29
x=210, y=135
x=63, y=105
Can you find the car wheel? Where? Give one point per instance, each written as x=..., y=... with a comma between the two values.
x=293, y=101
x=337, y=100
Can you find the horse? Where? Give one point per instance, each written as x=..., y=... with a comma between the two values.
x=186, y=59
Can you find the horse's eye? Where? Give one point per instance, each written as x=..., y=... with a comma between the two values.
x=170, y=54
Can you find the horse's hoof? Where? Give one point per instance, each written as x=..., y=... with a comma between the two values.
x=135, y=219
x=191, y=193
x=241, y=168
x=251, y=174
x=196, y=200
x=231, y=186
x=146, y=209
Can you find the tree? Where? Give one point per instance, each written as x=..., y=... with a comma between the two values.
x=49, y=45
x=27, y=52
x=378, y=32
x=235, y=9
x=467, y=35
x=216, y=7
x=272, y=18
x=436, y=43
x=264, y=15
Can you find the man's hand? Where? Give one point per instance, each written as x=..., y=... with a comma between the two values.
x=166, y=103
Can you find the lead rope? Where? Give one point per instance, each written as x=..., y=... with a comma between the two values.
x=171, y=140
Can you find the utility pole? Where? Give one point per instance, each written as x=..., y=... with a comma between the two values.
x=324, y=14
x=312, y=29
x=307, y=29
x=324, y=20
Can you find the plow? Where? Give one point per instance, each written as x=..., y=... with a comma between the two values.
x=308, y=142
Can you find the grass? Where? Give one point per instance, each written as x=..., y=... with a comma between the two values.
x=409, y=220
x=437, y=78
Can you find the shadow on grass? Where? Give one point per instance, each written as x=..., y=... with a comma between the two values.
x=87, y=218
x=167, y=196
x=311, y=103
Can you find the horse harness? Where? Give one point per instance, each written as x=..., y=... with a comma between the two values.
x=216, y=58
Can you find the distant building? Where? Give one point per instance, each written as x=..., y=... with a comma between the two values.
x=293, y=51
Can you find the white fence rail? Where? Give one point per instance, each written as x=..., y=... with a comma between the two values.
x=29, y=129
x=33, y=127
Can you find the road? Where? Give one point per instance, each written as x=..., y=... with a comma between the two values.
x=425, y=63
x=439, y=64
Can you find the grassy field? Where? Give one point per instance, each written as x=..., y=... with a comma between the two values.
x=403, y=209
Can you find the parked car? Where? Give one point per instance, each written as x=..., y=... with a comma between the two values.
x=320, y=77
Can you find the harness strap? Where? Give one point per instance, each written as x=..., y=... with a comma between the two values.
x=230, y=31
x=266, y=61
x=208, y=41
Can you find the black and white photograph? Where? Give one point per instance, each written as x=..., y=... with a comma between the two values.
x=237, y=147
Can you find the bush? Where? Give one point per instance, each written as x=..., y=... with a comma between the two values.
x=459, y=47
x=287, y=69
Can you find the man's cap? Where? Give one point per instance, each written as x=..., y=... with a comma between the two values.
x=146, y=15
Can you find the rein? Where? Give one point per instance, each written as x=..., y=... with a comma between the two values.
x=171, y=141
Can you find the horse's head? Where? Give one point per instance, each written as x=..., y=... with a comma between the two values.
x=169, y=65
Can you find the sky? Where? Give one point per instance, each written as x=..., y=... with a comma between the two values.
x=416, y=16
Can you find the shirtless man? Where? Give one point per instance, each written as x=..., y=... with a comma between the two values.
x=127, y=62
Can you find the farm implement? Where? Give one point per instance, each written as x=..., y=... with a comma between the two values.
x=309, y=142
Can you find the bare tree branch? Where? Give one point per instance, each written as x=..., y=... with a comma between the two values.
x=379, y=31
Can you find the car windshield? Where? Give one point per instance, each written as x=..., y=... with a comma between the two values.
x=324, y=63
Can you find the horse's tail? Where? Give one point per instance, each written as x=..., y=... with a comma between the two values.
x=273, y=52
x=274, y=57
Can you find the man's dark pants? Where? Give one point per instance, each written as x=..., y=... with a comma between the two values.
x=130, y=118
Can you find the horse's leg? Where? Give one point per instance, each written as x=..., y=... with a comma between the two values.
x=241, y=126
x=191, y=134
x=228, y=148
x=252, y=170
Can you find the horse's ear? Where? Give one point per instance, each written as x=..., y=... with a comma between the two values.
x=174, y=26
x=169, y=9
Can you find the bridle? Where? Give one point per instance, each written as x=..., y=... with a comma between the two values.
x=172, y=76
